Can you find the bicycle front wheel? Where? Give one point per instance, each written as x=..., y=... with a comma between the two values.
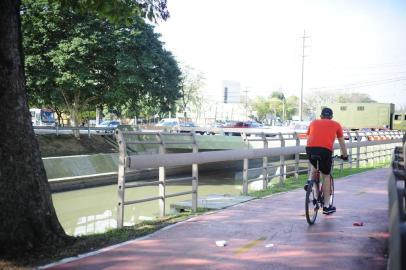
x=311, y=203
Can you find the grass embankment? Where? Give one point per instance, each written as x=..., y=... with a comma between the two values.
x=291, y=183
x=90, y=243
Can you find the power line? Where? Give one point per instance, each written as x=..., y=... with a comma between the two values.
x=361, y=84
x=246, y=102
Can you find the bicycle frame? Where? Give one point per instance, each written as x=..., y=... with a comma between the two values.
x=314, y=193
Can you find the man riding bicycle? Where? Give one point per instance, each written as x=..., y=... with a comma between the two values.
x=321, y=135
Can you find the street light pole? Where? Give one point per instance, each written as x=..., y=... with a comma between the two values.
x=301, y=90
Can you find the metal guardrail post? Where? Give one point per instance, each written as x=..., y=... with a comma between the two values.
x=382, y=153
x=296, y=137
x=121, y=177
x=375, y=157
x=366, y=155
x=245, y=139
x=245, y=177
x=358, y=148
x=264, y=164
x=57, y=130
x=389, y=148
x=195, y=175
x=350, y=149
x=88, y=130
x=161, y=178
x=282, y=167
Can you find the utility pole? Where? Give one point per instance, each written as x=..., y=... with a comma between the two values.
x=301, y=90
x=246, y=103
x=283, y=105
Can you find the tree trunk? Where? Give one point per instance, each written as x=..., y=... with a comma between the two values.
x=75, y=119
x=28, y=221
x=99, y=113
x=59, y=115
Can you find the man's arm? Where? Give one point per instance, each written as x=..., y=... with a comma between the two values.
x=343, y=147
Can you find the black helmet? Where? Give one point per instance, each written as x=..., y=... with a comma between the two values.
x=326, y=113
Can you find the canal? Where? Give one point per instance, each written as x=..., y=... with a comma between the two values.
x=93, y=210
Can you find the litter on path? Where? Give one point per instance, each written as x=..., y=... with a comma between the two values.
x=221, y=243
x=358, y=224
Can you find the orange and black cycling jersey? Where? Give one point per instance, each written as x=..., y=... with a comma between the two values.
x=323, y=132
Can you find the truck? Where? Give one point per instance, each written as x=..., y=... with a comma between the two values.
x=374, y=116
x=42, y=117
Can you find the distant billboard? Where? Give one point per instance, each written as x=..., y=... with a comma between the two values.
x=231, y=92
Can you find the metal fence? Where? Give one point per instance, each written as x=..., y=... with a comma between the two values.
x=89, y=131
x=363, y=147
x=397, y=210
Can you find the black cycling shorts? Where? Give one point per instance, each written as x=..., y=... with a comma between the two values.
x=325, y=156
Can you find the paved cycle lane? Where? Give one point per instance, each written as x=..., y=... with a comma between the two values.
x=269, y=233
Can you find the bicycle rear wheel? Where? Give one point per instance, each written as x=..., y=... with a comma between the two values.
x=311, y=203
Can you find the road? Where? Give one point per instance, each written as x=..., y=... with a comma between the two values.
x=269, y=233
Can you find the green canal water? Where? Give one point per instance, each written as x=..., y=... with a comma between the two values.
x=93, y=210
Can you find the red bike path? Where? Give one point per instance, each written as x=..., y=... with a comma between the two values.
x=269, y=233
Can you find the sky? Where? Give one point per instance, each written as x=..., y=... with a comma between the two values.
x=351, y=45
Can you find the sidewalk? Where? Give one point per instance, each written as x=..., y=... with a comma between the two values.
x=270, y=233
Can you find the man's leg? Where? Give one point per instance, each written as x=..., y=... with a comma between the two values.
x=313, y=172
x=312, y=175
x=326, y=189
x=327, y=209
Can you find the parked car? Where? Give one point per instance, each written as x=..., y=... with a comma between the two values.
x=187, y=124
x=168, y=122
x=108, y=125
x=300, y=127
x=245, y=124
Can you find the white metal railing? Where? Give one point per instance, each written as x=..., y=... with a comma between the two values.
x=162, y=180
x=87, y=130
x=361, y=149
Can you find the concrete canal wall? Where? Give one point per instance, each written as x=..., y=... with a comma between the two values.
x=76, y=172
x=83, y=171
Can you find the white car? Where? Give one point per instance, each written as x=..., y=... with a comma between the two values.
x=109, y=126
x=168, y=122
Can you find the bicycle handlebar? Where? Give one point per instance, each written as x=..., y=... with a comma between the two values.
x=340, y=157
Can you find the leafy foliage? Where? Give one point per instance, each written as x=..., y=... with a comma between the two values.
x=277, y=105
x=355, y=98
x=191, y=83
x=77, y=61
x=119, y=11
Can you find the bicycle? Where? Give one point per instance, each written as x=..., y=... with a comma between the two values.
x=314, y=193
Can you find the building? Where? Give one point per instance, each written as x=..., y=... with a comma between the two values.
x=231, y=92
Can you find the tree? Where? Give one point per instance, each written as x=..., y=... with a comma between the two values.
x=28, y=219
x=262, y=106
x=278, y=95
x=90, y=62
x=148, y=74
x=355, y=98
x=292, y=106
x=277, y=105
x=191, y=83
